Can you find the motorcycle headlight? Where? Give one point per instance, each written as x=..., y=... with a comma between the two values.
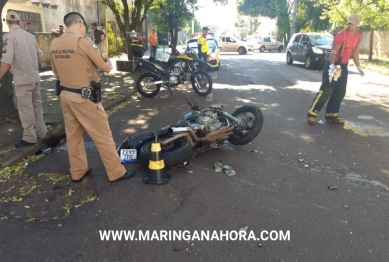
x=317, y=50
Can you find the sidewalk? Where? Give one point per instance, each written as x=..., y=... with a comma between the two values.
x=117, y=87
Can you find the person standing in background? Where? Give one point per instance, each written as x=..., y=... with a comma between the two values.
x=29, y=28
x=58, y=32
x=153, y=41
x=98, y=36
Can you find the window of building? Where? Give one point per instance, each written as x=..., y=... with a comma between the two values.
x=34, y=18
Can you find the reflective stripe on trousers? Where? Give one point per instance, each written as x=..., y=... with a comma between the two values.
x=333, y=92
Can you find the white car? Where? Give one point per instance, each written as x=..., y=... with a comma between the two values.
x=263, y=43
x=232, y=44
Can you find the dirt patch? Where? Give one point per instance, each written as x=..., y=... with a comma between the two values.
x=43, y=197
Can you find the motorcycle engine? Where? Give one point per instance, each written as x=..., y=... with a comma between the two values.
x=174, y=78
x=210, y=121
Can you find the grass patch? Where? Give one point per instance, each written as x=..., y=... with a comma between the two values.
x=378, y=64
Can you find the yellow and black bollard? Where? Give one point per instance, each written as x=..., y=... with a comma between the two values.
x=157, y=174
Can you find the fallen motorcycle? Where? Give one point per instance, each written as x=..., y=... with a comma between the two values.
x=196, y=132
x=170, y=73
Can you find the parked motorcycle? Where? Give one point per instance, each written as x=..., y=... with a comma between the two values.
x=171, y=73
x=197, y=132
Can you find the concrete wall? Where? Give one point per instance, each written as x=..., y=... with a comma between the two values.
x=380, y=43
x=44, y=42
x=24, y=6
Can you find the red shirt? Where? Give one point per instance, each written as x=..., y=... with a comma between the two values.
x=349, y=41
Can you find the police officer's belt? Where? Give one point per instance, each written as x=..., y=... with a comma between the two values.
x=84, y=92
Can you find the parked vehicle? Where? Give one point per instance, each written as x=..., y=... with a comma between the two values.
x=269, y=43
x=310, y=48
x=214, y=55
x=232, y=44
x=197, y=132
x=170, y=73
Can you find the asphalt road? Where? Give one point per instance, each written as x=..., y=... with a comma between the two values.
x=281, y=180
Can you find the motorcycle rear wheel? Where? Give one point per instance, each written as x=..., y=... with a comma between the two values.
x=146, y=91
x=205, y=83
x=252, y=121
x=173, y=154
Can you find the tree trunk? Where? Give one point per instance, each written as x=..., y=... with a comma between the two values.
x=371, y=44
x=128, y=43
x=7, y=108
x=174, y=39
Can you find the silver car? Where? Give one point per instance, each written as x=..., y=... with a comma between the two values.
x=263, y=43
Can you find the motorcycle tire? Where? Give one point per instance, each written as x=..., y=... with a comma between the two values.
x=209, y=80
x=140, y=88
x=236, y=138
x=173, y=156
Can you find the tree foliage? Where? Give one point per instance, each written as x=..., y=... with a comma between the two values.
x=129, y=17
x=374, y=13
x=172, y=16
x=247, y=25
x=268, y=8
x=310, y=17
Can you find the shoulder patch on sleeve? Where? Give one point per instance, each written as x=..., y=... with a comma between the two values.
x=4, y=50
x=95, y=46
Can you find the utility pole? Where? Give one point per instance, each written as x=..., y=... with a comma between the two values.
x=294, y=18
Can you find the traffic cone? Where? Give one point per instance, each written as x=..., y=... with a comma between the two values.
x=157, y=174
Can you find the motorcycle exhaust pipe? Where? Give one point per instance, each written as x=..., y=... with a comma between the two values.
x=154, y=83
x=222, y=133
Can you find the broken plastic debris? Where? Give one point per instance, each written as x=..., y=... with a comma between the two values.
x=260, y=245
x=50, y=104
x=243, y=228
x=254, y=151
x=306, y=165
x=333, y=187
x=301, y=160
x=300, y=153
x=346, y=206
x=320, y=122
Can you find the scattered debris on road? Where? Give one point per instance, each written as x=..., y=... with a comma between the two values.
x=346, y=206
x=301, y=160
x=243, y=228
x=320, y=122
x=333, y=187
x=260, y=245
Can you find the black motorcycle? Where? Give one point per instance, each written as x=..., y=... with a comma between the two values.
x=173, y=73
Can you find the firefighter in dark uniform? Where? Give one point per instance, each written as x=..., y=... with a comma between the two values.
x=335, y=73
x=75, y=60
x=203, y=45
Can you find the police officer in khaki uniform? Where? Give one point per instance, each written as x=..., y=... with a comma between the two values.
x=74, y=60
x=21, y=53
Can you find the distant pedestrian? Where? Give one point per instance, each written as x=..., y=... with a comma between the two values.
x=29, y=28
x=98, y=36
x=335, y=73
x=153, y=41
x=58, y=32
x=21, y=53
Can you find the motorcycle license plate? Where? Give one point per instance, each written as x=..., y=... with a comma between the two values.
x=128, y=155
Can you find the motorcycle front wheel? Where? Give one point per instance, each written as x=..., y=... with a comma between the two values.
x=251, y=121
x=173, y=154
x=204, y=85
x=147, y=91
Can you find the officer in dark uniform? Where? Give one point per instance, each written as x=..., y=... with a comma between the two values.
x=75, y=60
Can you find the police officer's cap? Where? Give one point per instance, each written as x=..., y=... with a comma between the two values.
x=75, y=13
x=12, y=16
x=205, y=28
